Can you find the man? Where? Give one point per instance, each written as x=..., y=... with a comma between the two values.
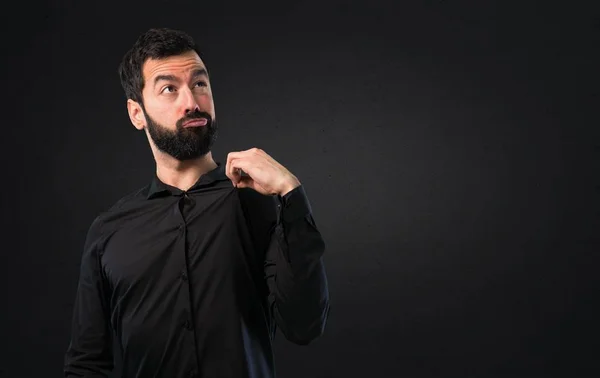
x=190, y=275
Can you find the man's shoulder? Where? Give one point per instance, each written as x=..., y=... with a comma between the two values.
x=260, y=210
x=256, y=203
x=127, y=200
x=260, y=214
x=134, y=196
x=102, y=224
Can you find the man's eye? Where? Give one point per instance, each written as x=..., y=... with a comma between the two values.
x=201, y=84
x=168, y=89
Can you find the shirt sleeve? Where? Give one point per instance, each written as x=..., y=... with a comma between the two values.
x=295, y=272
x=89, y=353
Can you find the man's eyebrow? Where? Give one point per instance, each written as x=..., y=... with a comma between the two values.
x=199, y=72
x=165, y=78
x=195, y=74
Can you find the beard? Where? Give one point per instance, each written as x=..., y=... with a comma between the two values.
x=184, y=143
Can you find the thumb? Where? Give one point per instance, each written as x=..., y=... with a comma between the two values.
x=245, y=182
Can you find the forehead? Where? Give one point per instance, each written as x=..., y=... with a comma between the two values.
x=179, y=65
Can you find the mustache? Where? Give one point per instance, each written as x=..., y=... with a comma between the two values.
x=194, y=115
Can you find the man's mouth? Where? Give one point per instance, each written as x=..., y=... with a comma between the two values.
x=196, y=122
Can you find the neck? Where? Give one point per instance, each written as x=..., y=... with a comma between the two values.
x=182, y=174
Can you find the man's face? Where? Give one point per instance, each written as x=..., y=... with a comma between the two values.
x=178, y=106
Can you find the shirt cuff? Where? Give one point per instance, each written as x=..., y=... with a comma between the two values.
x=293, y=205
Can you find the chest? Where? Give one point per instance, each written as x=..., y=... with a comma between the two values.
x=204, y=236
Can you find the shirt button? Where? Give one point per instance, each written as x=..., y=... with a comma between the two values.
x=183, y=276
x=192, y=373
x=187, y=324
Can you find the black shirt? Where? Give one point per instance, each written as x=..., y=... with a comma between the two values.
x=194, y=283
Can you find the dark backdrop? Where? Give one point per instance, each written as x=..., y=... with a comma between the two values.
x=449, y=150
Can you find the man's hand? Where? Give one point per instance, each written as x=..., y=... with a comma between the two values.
x=263, y=173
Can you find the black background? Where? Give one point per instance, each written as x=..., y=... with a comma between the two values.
x=449, y=150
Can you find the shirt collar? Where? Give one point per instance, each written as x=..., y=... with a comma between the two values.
x=159, y=188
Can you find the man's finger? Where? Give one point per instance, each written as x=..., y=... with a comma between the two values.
x=238, y=169
x=231, y=156
x=228, y=169
x=233, y=172
x=237, y=166
x=245, y=182
x=238, y=154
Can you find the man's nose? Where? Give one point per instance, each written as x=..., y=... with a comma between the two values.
x=189, y=101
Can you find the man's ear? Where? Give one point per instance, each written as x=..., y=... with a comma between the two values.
x=136, y=114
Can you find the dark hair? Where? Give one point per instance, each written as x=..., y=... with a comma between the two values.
x=156, y=43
